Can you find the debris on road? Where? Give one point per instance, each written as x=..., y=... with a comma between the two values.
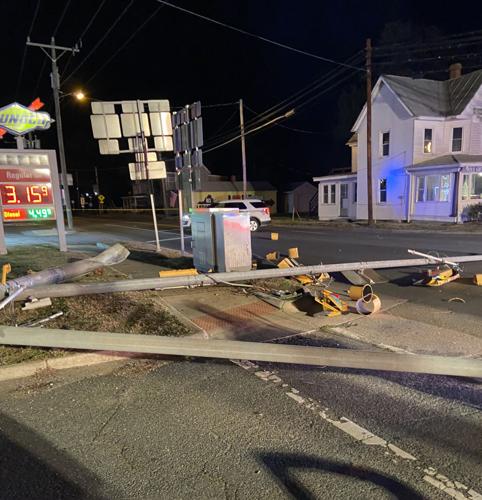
x=371, y=306
x=478, y=279
x=43, y=320
x=113, y=255
x=457, y=299
x=34, y=303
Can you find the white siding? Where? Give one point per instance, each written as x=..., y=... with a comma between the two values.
x=387, y=115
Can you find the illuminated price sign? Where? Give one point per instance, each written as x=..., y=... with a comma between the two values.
x=30, y=191
x=26, y=194
x=27, y=214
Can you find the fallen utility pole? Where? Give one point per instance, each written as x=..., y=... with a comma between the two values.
x=113, y=255
x=233, y=349
x=73, y=289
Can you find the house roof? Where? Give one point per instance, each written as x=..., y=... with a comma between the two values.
x=338, y=177
x=435, y=98
x=423, y=97
x=450, y=160
x=294, y=185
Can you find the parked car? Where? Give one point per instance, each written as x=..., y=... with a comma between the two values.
x=258, y=211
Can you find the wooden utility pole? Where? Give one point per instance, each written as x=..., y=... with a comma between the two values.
x=55, y=77
x=369, y=130
x=243, y=146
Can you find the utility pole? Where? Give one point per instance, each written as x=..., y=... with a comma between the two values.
x=369, y=130
x=243, y=146
x=55, y=78
x=97, y=180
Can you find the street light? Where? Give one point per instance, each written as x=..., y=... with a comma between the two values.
x=79, y=95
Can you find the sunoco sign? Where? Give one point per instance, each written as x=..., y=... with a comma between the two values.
x=20, y=120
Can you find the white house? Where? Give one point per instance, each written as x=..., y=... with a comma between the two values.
x=426, y=152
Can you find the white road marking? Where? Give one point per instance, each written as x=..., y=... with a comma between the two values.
x=452, y=488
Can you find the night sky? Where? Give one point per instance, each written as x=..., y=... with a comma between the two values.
x=183, y=59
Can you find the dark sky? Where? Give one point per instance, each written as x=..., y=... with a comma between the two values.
x=183, y=59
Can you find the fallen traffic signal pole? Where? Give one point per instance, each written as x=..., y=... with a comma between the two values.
x=73, y=289
x=232, y=349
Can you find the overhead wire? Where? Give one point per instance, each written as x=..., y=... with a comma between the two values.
x=61, y=18
x=293, y=129
x=44, y=62
x=258, y=37
x=99, y=42
x=84, y=32
x=146, y=21
x=24, y=55
x=286, y=115
x=289, y=101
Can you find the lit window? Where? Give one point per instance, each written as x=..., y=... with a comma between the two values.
x=332, y=198
x=472, y=186
x=382, y=190
x=457, y=139
x=427, y=140
x=385, y=143
x=433, y=188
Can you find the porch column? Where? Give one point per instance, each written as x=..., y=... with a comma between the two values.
x=410, y=197
x=456, y=197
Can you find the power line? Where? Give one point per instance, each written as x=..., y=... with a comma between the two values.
x=216, y=133
x=285, y=116
x=125, y=43
x=22, y=64
x=258, y=37
x=291, y=100
x=66, y=7
x=293, y=129
x=85, y=30
x=106, y=34
x=44, y=62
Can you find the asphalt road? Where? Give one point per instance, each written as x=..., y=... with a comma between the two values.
x=214, y=430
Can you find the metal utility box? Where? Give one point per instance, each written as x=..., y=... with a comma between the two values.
x=221, y=240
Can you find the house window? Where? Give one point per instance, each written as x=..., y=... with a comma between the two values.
x=472, y=186
x=355, y=194
x=385, y=143
x=421, y=189
x=382, y=190
x=329, y=194
x=427, y=140
x=457, y=139
x=433, y=188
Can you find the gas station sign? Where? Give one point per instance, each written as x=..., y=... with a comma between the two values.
x=26, y=190
x=29, y=188
x=20, y=120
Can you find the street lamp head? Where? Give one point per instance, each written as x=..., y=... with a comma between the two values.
x=79, y=95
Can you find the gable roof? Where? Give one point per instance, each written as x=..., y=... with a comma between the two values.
x=435, y=98
x=423, y=97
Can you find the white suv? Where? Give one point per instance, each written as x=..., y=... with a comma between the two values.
x=258, y=211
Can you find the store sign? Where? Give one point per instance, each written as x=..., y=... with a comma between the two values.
x=26, y=192
x=20, y=120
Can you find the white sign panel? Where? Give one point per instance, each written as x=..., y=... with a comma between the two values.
x=156, y=170
x=105, y=126
x=161, y=123
x=163, y=143
x=109, y=147
x=130, y=124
